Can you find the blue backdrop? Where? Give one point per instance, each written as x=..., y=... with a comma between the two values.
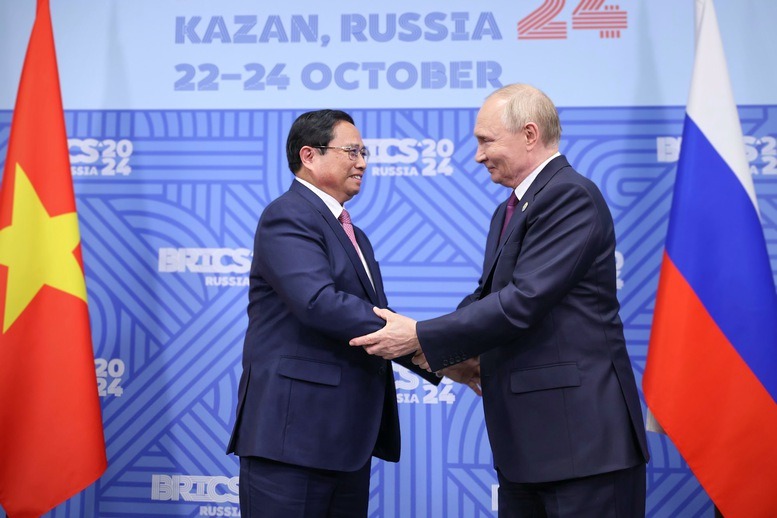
x=177, y=113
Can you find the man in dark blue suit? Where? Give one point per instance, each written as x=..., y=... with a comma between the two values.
x=561, y=404
x=312, y=411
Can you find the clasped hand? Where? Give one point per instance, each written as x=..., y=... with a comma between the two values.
x=397, y=338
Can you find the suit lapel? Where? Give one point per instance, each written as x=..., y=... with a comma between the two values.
x=492, y=241
x=342, y=237
x=372, y=264
x=553, y=167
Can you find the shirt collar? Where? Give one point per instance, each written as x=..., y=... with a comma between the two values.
x=330, y=202
x=526, y=183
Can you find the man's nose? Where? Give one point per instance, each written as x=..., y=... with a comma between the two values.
x=361, y=162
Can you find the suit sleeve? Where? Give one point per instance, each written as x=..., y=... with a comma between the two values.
x=472, y=297
x=310, y=274
x=562, y=238
x=406, y=362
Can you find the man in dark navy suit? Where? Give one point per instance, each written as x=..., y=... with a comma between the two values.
x=311, y=410
x=561, y=404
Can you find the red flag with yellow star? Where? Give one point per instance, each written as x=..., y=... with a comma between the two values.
x=51, y=437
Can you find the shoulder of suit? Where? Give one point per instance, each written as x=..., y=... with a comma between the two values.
x=291, y=205
x=567, y=173
x=576, y=185
x=300, y=198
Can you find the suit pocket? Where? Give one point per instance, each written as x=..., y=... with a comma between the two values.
x=309, y=370
x=545, y=377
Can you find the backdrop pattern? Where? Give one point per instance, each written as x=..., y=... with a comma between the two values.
x=168, y=203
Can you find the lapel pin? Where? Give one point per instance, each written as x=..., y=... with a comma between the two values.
x=526, y=204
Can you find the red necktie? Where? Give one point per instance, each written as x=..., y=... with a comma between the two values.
x=345, y=221
x=511, y=204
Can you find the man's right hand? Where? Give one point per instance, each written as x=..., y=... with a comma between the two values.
x=466, y=372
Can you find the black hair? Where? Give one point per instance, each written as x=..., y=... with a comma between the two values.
x=314, y=128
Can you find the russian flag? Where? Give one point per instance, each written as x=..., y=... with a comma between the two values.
x=711, y=374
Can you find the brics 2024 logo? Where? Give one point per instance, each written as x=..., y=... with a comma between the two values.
x=544, y=24
x=93, y=157
x=231, y=265
x=410, y=157
x=195, y=488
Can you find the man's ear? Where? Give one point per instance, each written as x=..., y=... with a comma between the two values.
x=531, y=134
x=306, y=155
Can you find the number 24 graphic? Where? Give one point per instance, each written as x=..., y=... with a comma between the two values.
x=540, y=24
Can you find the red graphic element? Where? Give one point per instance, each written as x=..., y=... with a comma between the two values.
x=539, y=24
x=609, y=20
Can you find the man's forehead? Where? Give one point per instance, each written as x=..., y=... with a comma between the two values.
x=344, y=130
x=488, y=120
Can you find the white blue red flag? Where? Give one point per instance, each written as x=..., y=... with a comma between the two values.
x=711, y=374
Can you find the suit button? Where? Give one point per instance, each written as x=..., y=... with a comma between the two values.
x=382, y=370
x=445, y=363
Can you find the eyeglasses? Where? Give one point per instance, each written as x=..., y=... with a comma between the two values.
x=353, y=152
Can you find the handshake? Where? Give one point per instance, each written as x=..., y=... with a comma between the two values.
x=398, y=338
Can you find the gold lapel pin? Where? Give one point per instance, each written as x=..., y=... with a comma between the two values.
x=526, y=204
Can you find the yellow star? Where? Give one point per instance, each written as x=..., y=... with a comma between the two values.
x=38, y=251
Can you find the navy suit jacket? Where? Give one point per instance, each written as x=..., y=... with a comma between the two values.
x=306, y=397
x=559, y=393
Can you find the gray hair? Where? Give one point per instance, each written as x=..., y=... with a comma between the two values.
x=524, y=104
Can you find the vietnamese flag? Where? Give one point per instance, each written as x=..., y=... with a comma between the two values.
x=51, y=437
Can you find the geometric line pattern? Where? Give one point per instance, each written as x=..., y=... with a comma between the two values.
x=194, y=182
